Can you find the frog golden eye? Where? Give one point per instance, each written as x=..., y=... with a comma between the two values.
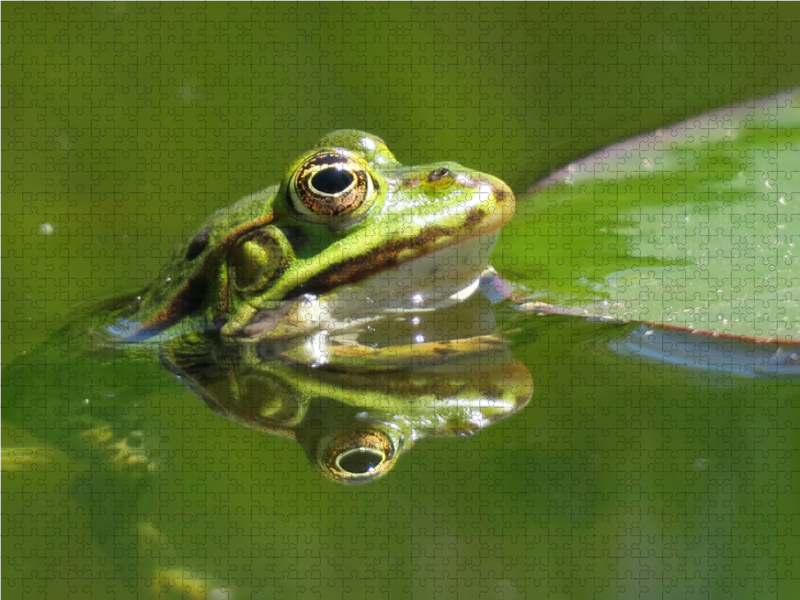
x=331, y=183
x=358, y=456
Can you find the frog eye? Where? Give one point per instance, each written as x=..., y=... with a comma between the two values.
x=332, y=183
x=358, y=456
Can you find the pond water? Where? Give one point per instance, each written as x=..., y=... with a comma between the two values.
x=621, y=478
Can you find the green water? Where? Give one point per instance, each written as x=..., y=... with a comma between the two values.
x=620, y=479
x=125, y=124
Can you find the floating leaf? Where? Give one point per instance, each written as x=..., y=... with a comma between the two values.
x=696, y=226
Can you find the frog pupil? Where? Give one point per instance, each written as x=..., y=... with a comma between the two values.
x=332, y=181
x=360, y=460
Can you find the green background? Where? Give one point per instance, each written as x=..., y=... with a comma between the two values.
x=125, y=124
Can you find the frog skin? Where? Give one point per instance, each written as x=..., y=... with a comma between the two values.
x=347, y=221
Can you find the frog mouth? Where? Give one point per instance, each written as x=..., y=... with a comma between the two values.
x=427, y=283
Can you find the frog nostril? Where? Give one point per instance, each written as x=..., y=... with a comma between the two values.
x=438, y=175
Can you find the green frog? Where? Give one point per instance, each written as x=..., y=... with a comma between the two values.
x=340, y=308
x=333, y=274
x=347, y=221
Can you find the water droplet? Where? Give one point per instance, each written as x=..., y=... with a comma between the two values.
x=47, y=229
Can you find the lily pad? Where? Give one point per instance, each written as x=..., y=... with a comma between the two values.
x=696, y=227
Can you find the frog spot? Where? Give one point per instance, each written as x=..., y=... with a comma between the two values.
x=199, y=243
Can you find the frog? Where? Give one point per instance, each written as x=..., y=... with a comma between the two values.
x=350, y=237
x=312, y=309
x=346, y=215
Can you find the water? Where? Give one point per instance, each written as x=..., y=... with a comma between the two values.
x=621, y=478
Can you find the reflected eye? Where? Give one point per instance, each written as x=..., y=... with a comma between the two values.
x=359, y=461
x=331, y=183
x=359, y=455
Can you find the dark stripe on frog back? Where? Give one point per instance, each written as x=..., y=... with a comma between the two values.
x=194, y=289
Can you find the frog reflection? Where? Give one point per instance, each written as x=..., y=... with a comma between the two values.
x=355, y=402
